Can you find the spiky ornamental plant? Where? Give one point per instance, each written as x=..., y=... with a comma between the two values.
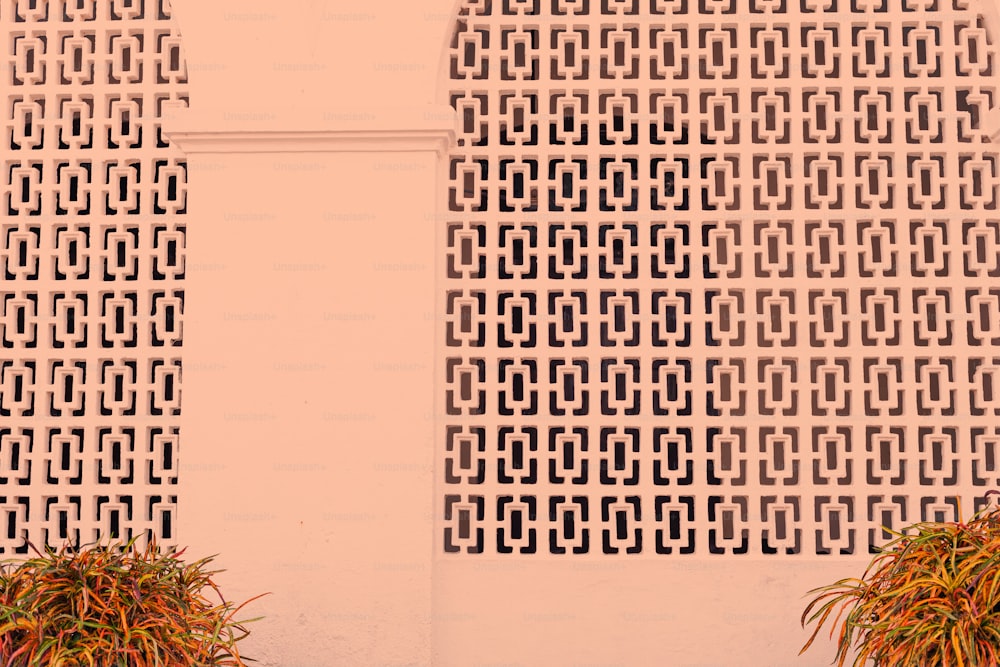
x=930, y=598
x=115, y=606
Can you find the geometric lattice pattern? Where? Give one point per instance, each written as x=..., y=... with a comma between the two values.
x=92, y=265
x=722, y=275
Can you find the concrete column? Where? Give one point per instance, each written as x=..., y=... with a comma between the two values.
x=308, y=432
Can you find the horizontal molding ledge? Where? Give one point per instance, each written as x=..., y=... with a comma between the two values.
x=310, y=141
x=305, y=130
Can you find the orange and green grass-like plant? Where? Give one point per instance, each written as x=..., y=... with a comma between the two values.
x=115, y=606
x=930, y=598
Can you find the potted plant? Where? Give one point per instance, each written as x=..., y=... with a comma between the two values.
x=115, y=606
x=931, y=597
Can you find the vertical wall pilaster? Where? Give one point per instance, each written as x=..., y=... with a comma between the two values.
x=308, y=369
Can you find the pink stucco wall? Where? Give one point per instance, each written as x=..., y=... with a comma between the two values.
x=312, y=377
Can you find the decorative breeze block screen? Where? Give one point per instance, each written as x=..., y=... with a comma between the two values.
x=722, y=275
x=92, y=238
